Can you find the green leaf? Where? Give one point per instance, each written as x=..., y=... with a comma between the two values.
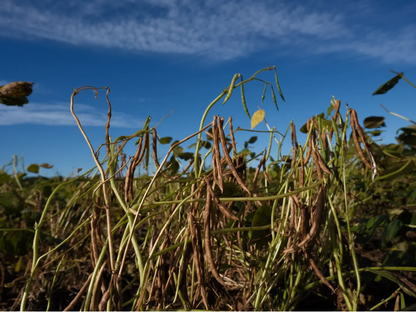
x=392, y=149
x=144, y=131
x=374, y=122
x=262, y=216
x=209, y=138
x=252, y=140
x=390, y=232
x=329, y=110
x=230, y=189
x=257, y=118
x=367, y=228
x=327, y=124
x=402, y=302
x=206, y=144
x=388, y=85
x=408, y=136
x=165, y=140
x=391, y=174
x=177, y=150
x=376, y=221
x=304, y=128
x=34, y=168
x=4, y=177
x=375, y=133
x=173, y=166
x=186, y=156
x=19, y=264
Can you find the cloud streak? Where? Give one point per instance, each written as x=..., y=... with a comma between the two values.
x=213, y=29
x=59, y=115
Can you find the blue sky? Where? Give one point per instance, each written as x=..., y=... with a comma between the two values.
x=159, y=56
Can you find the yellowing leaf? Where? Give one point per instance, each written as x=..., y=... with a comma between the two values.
x=257, y=118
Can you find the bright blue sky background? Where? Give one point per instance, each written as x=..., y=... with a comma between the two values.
x=164, y=55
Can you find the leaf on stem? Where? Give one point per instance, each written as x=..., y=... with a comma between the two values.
x=388, y=85
x=257, y=118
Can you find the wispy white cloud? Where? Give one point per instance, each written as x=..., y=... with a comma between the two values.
x=216, y=29
x=58, y=114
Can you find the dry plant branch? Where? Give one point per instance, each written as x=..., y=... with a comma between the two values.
x=137, y=213
x=97, y=162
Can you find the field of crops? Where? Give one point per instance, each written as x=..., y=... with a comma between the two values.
x=328, y=226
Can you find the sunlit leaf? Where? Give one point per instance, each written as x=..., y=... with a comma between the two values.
x=34, y=168
x=374, y=122
x=18, y=265
x=257, y=118
x=329, y=110
x=388, y=85
x=327, y=124
x=376, y=133
x=304, y=128
x=165, y=140
x=145, y=127
x=177, y=150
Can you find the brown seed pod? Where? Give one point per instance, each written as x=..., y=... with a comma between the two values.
x=17, y=89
